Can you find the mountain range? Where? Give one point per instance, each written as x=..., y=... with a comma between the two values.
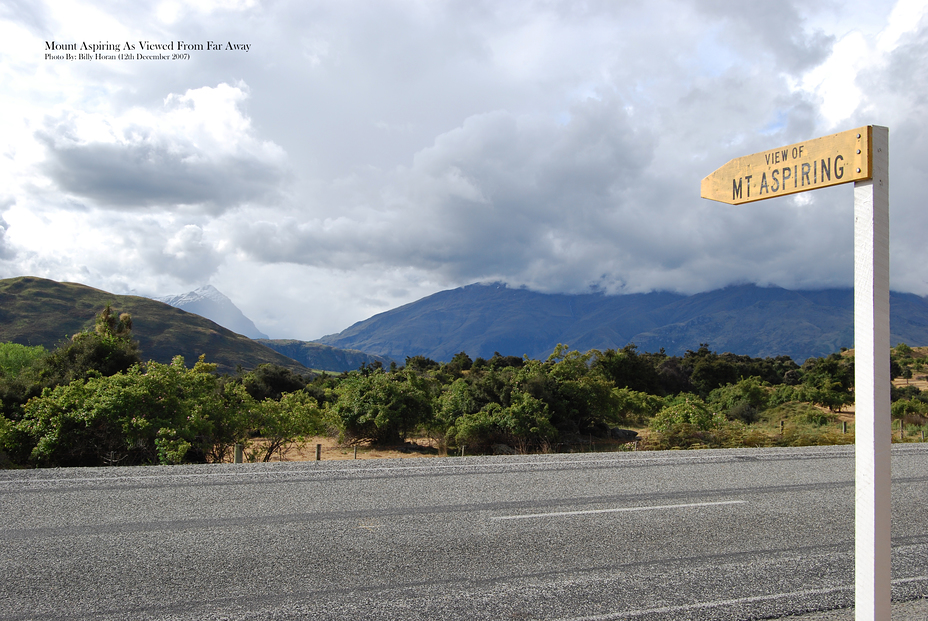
x=481, y=319
x=210, y=303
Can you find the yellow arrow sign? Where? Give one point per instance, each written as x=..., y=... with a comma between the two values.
x=809, y=165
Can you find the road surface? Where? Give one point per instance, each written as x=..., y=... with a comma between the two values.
x=721, y=534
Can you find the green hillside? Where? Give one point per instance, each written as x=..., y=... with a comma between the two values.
x=36, y=311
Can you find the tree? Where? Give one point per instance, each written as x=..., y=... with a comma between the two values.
x=421, y=364
x=711, y=372
x=632, y=406
x=687, y=409
x=107, y=324
x=626, y=369
x=579, y=400
x=741, y=400
x=15, y=357
x=107, y=350
x=525, y=424
x=154, y=413
x=459, y=363
x=284, y=423
x=456, y=400
x=828, y=381
x=104, y=351
x=271, y=381
x=381, y=407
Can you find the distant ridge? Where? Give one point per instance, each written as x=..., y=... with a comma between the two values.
x=323, y=357
x=209, y=302
x=481, y=319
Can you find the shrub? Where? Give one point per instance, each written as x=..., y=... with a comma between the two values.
x=742, y=400
x=284, y=423
x=904, y=408
x=525, y=423
x=152, y=414
x=380, y=407
x=15, y=357
x=687, y=409
x=633, y=407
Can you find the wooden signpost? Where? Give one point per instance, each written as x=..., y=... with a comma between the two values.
x=818, y=163
x=862, y=156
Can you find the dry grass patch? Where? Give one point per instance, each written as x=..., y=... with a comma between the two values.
x=333, y=450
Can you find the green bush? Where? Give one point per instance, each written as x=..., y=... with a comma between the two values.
x=633, y=407
x=909, y=407
x=742, y=400
x=284, y=423
x=687, y=409
x=524, y=424
x=381, y=407
x=15, y=357
x=154, y=413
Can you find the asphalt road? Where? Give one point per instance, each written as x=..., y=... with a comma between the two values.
x=736, y=534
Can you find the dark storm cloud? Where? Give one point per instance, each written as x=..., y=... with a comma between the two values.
x=198, y=150
x=129, y=176
x=501, y=194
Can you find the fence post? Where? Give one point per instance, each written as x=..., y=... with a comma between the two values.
x=318, y=452
x=238, y=454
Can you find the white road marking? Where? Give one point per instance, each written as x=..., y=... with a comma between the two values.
x=618, y=510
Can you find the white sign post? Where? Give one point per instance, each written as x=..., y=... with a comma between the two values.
x=862, y=156
x=871, y=386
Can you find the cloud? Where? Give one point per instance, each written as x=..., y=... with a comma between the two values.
x=182, y=253
x=6, y=250
x=490, y=197
x=895, y=92
x=32, y=15
x=607, y=199
x=776, y=29
x=198, y=151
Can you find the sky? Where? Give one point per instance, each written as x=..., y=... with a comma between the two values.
x=357, y=156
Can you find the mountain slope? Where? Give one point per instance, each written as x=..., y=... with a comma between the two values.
x=758, y=321
x=209, y=302
x=35, y=311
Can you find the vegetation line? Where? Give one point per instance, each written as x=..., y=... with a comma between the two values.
x=94, y=402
